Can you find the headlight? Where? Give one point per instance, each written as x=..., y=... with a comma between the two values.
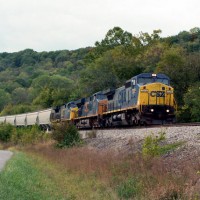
x=152, y=110
x=167, y=110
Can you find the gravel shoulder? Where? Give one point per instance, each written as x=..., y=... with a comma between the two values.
x=124, y=140
x=4, y=157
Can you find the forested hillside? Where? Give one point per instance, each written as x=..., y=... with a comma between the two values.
x=34, y=80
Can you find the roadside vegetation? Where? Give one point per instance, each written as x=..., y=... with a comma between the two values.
x=66, y=135
x=129, y=176
x=22, y=136
x=74, y=171
x=28, y=176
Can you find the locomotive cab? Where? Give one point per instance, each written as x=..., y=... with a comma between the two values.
x=156, y=101
x=69, y=111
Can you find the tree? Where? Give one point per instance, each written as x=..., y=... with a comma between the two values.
x=193, y=66
x=17, y=109
x=191, y=100
x=19, y=95
x=195, y=30
x=146, y=38
x=51, y=90
x=172, y=63
x=112, y=69
x=114, y=37
x=152, y=55
x=4, y=99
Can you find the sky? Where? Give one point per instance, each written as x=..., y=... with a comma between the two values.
x=50, y=25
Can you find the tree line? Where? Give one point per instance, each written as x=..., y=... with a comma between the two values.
x=34, y=80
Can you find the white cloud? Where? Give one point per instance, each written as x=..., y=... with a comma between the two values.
x=70, y=24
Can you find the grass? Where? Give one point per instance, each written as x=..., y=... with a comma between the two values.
x=170, y=147
x=130, y=188
x=22, y=180
x=34, y=178
x=129, y=176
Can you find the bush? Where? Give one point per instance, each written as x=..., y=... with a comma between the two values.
x=27, y=135
x=5, y=132
x=151, y=145
x=23, y=135
x=66, y=135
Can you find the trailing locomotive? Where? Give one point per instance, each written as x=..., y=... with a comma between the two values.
x=144, y=99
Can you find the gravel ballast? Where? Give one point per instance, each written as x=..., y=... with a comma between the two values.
x=126, y=139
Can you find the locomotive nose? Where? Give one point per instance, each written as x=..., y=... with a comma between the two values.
x=156, y=94
x=156, y=102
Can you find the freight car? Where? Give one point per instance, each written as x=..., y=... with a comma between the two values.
x=144, y=99
x=41, y=118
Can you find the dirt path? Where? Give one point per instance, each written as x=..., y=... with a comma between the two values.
x=4, y=157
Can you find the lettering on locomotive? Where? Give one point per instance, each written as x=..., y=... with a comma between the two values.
x=157, y=93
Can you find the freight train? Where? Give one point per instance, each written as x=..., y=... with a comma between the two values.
x=144, y=99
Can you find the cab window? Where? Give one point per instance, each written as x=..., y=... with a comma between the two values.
x=144, y=81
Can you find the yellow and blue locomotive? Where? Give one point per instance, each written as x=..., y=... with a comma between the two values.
x=144, y=99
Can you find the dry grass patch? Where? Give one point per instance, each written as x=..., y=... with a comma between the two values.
x=130, y=176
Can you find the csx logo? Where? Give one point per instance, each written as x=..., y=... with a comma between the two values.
x=157, y=93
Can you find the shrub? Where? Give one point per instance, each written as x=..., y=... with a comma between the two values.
x=66, y=135
x=5, y=132
x=28, y=135
x=151, y=145
x=23, y=135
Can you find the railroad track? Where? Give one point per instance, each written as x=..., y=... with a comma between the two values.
x=183, y=124
x=145, y=126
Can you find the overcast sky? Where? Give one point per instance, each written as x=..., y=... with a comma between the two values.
x=49, y=25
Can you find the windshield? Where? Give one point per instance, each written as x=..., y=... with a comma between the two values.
x=144, y=81
x=101, y=96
